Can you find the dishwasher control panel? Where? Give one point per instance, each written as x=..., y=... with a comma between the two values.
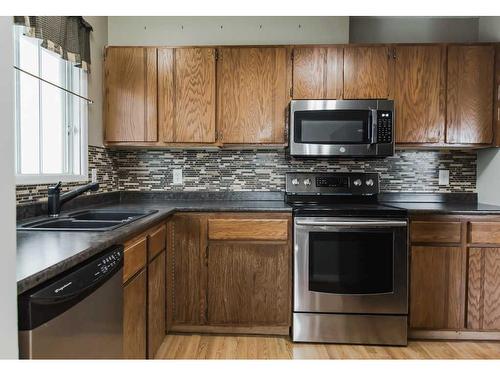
x=83, y=277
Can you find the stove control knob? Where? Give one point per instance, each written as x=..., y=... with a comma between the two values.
x=295, y=181
x=307, y=181
x=357, y=182
x=369, y=182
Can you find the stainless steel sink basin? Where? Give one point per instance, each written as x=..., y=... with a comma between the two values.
x=88, y=220
x=107, y=215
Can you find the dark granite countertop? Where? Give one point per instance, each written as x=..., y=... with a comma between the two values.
x=449, y=208
x=435, y=203
x=42, y=255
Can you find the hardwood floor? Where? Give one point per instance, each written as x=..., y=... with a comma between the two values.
x=257, y=347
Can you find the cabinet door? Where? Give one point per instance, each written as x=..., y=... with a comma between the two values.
x=318, y=73
x=134, y=317
x=483, y=310
x=419, y=94
x=248, y=283
x=470, y=94
x=186, y=265
x=367, y=72
x=187, y=94
x=156, y=304
x=436, y=287
x=130, y=94
x=253, y=93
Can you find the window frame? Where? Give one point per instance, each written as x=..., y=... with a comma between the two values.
x=48, y=178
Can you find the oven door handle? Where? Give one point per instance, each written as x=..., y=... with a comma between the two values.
x=362, y=224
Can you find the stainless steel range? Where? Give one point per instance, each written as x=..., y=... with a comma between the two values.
x=350, y=261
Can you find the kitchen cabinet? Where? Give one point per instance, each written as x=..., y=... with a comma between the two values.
x=185, y=257
x=156, y=303
x=246, y=284
x=483, y=309
x=228, y=275
x=186, y=94
x=420, y=93
x=455, y=277
x=130, y=84
x=318, y=72
x=435, y=287
x=134, y=317
x=253, y=92
x=368, y=72
x=144, y=293
x=470, y=94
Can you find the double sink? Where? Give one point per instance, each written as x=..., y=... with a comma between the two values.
x=98, y=220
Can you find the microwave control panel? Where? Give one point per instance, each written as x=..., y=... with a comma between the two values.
x=384, y=126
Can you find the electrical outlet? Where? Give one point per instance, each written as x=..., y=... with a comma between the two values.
x=94, y=175
x=177, y=176
x=444, y=177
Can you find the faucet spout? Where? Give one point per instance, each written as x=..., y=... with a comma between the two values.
x=56, y=199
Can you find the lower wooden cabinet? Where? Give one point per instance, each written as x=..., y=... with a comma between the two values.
x=436, y=287
x=483, y=302
x=156, y=304
x=455, y=277
x=134, y=317
x=144, y=294
x=248, y=283
x=232, y=280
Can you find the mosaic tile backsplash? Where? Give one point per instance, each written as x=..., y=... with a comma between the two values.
x=99, y=158
x=263, y=170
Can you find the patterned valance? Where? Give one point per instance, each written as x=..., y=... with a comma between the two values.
x=68, y=36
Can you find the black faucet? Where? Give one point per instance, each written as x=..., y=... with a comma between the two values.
x=56, y=199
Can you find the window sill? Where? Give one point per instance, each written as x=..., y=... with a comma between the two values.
x=34, y=179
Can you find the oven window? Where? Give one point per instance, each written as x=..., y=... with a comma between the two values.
x=351, y=262
x=332, y=127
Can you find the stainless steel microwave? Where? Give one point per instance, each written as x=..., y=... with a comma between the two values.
x=350, y=128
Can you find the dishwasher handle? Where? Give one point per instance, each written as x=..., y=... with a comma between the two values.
x=43, y=303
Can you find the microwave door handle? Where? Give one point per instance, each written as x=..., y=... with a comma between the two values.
x=373, y=126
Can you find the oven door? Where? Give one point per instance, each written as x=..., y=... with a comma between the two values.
x=345, y=265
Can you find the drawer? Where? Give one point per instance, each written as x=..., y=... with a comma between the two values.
x=484, y=232
x=435, y=231
x=248, y=229
x=135, y=254
x=156, y=241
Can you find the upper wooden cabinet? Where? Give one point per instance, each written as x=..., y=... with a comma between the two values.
x=253, y=94
x=367, y=72
x=419, y=93
x=130, y=94
x=470, y=94
x=186, y=94
x=318, y=73
x=444, y=94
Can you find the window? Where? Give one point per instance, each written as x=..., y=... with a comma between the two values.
x=51, y=125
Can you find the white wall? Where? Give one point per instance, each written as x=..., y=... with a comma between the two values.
x=488, y=161
x=226, y=30
x=412, y=29
x=489, y=29
x=98, y=39
x=8, y=288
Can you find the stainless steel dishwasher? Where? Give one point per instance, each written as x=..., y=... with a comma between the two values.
x=78, y=315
